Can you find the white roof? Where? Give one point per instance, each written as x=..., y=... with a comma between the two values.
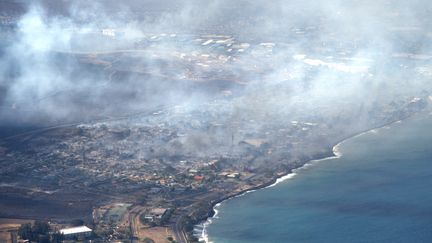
x=75, y=230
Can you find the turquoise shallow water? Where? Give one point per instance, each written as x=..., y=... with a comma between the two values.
x=380, y=190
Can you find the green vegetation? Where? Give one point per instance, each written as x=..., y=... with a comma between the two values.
x=148, y=240
x=171, y=239
x=25, y=232
x=166, y=217
x=39, y=232
x=57, y=237
x=188, y=224
x=77, y=222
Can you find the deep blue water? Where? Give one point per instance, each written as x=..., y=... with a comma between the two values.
x=380, y=190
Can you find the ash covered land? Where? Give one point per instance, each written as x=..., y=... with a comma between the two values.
x=138, y=116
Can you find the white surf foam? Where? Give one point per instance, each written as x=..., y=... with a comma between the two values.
x=202, y=234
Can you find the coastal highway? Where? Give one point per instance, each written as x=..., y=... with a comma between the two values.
x=177, y=229
x=133, y=218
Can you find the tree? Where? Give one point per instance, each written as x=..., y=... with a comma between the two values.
x=166, y=217
x=25, y=231
x=43, y=239
x=171, y=239
x=57, y=237
x=37, y=233
x=77, y=222
x=148, y=240
x=40, y=227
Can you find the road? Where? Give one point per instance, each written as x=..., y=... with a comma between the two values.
x=133, y=218
x=178, y=232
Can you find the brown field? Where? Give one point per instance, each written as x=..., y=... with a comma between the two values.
x=158, y=234
x=5, y=237
x=9, y=227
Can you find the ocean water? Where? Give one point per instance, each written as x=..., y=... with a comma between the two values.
x=379, y=190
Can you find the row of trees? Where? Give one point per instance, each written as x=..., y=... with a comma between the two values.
x=40, y=232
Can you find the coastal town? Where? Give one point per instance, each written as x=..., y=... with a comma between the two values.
x=141, y=178
x=199, y=118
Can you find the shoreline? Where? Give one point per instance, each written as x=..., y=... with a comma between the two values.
x=335, y=154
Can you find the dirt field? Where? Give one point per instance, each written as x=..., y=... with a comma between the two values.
x=5, y=237
x=9, y=227
x=158, y=234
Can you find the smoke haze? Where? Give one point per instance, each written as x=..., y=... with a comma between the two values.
x=75, y=61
